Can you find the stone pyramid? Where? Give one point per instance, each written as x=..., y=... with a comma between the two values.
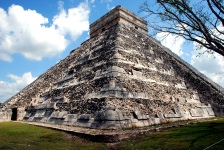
x=119, y=78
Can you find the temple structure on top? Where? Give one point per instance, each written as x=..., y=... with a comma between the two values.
x=119, y=78
x=121, y=15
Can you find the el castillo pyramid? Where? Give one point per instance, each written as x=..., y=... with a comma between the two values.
x=119, y=78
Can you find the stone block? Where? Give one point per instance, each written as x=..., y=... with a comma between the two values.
x=155, y=120
x=160, y=115
x=186, y=114
x=37, y=119
x=84, y=123
x=71, y=119
x=1, y=115
x=188, y=100
x=118, y=94
x=83, y=59
x=139, y=115
x=112, y=125
x=151, y=66
x=98, y=73
x=137, y=74
x=183, y=84
x=72, y=116
x=196, y=112
x=181, y=99
x=46, y=106
x=210, y=111
x=193, y=101
x=56, y=120
x=113, y=86
x=111, y=115
x=84, y=117
x=176, y=110
x=137, y=95
x=27, y=115
x=172, y=115
x=117, y=69
x=48, y=113
x=9, y=112
x=58, y=99
x=62, y=114
x=58, y=114
x=140, y=123
x=195, y=96
x=39, y=113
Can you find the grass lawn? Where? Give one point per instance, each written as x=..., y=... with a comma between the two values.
x=14, y=135
x=194, y=136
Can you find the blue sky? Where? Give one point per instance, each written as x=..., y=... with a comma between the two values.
x=36, y=34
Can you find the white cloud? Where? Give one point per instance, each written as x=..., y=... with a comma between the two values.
x=28, y=32
x=60, y=5
x=212, y=65
x=172, y=42
x=106, y=1
x=73, y=22
x=109, y=8
x=10, y=88
x=5, y=57
x=92, y=1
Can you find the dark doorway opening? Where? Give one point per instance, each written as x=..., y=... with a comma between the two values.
x=14, y=114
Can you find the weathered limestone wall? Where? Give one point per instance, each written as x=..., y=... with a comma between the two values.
x=5, y=115
x=166, y=69
x=119, y=78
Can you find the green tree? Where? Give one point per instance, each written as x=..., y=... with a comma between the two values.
x=200, y=21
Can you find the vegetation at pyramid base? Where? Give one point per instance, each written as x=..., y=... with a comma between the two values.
x=16, y=135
